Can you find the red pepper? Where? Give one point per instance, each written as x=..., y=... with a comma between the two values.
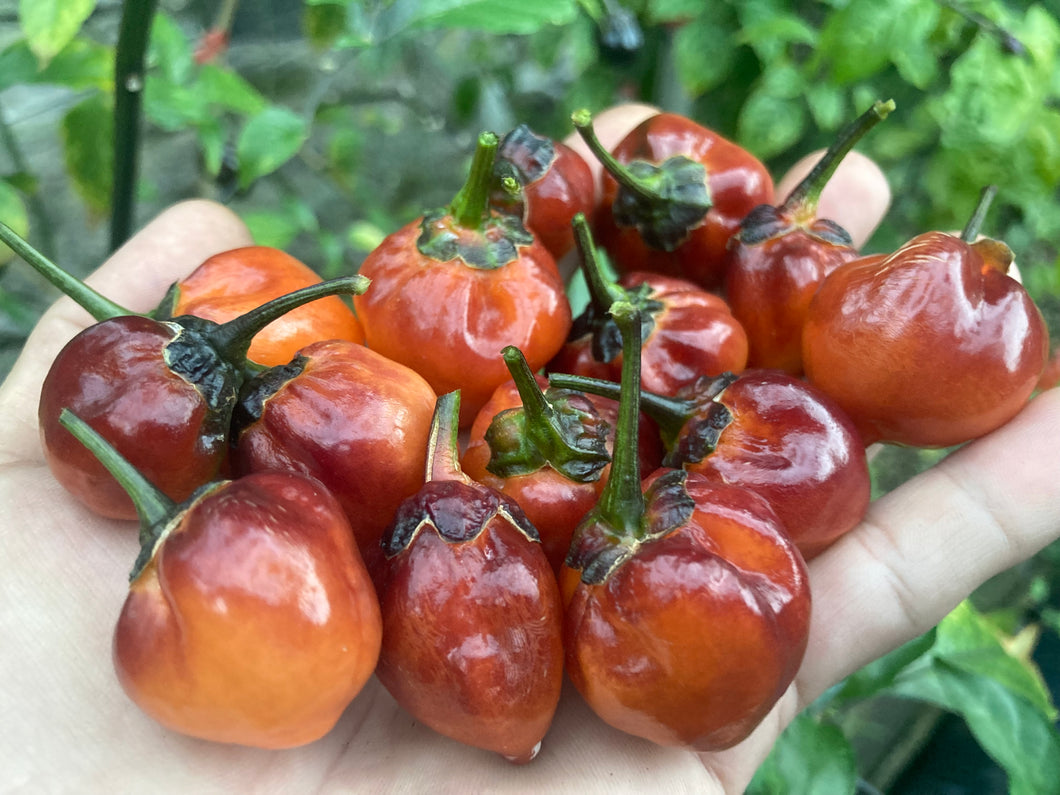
x=770, y=433
x=930, y=346
x=471, y=610
x=781, y=255
x=451, y=290
x=547, y=449
x=688, y=332
x=250, y=617
x=556, y=184
x=233, y=282
x=687, y=607
x=162, y=392
x=349, y=417
x=674, y=192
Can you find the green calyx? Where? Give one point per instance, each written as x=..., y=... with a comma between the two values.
x=93, y=302
x=664, y=202
x=555, y=428
x=469, y=229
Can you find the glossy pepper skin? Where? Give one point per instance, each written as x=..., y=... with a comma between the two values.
x=162, y=392
x=233, y=282
x=930, y=346
x=686, y=606
x=556, y=185
x=451, y=290
x=773, y=434
x=707, y=183
x=471, y=610
x=353, y=419
x=780, y=256
x=687, y=332
x=250, y=617
x=549, y=450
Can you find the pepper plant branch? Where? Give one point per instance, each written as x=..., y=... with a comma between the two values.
x=133, y=35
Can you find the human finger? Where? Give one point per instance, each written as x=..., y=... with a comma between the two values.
x=928, y=544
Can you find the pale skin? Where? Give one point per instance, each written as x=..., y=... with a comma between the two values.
x=69, y=727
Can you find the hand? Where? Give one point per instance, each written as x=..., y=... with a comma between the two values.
x=63, y=574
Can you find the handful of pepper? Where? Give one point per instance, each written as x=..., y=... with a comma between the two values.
x=328, y=519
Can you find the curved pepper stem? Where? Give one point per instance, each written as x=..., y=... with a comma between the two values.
x=603, y=292
x=232, y=339
x=93, y=302
x=804, y=197
x=156, y=511
x=975, y=223
x=443, y=450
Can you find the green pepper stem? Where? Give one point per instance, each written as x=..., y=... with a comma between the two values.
x=470, y=205
x=536, y=407
x=232, y=339
x=602, y=292
x=805, y=196
x=669, y=413
x=975, y=223
x=153, y=507
x=93, y=302
x=443, y=450
x=621, y=505
x=583, y=123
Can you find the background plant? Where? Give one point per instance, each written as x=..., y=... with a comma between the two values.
x=328, y=123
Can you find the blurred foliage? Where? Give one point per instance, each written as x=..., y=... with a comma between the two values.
x=328, y=123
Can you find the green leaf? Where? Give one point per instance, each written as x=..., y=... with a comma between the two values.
x=81, y=64
x=323, y=24
x=674, y=10
x=880, y=674
x=275, y=228
x=49, y=25
x=703, y=54
x=170, y=50
x=226, y=89
x=774, y=33
x=810, y=757
x=17, y=65
x=172, y=106
x=13, y=213
x=88, y=146
x=770, y=124
x=491, y=16
x=269, y=140
x=213, y=137
x=828, y=104
x=1020, y=737
x=967, y=640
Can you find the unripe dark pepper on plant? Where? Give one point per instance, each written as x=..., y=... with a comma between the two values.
x=781, y=255
x=451, y=290
x=674, y=192
x=687, y=607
